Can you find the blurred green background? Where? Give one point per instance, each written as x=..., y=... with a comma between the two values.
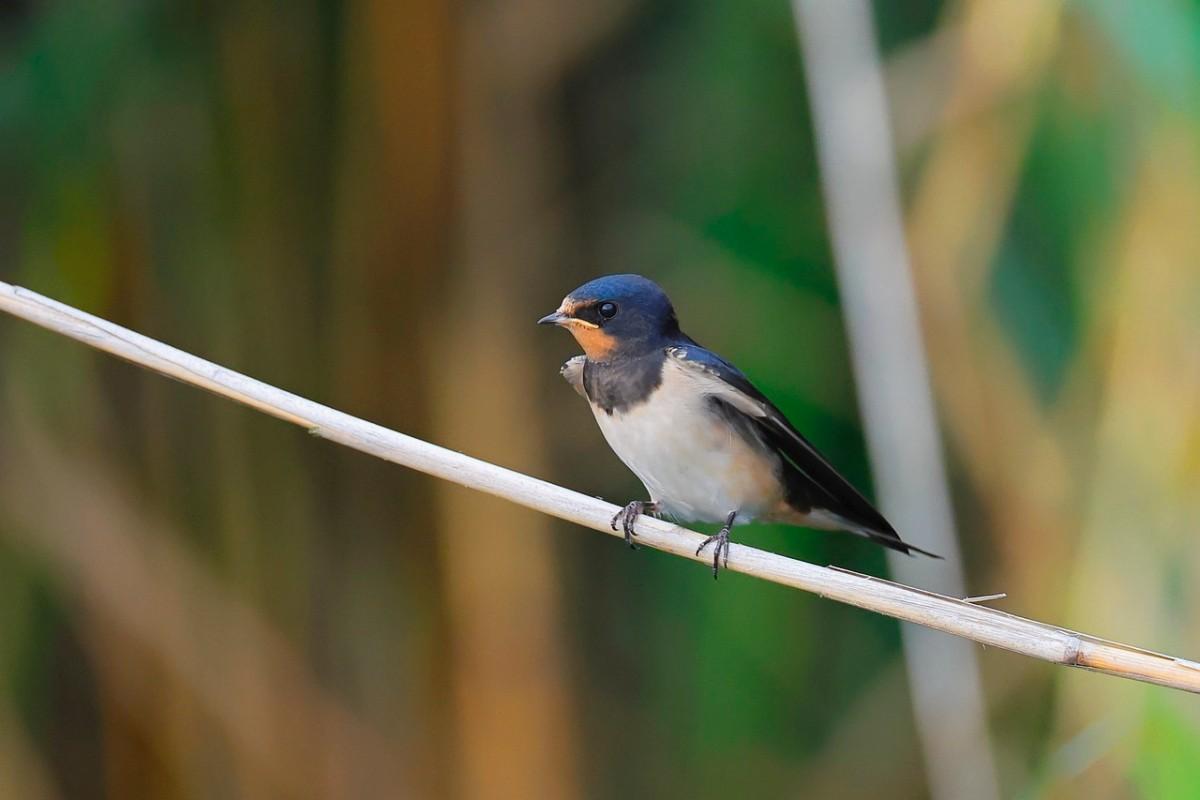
x=369, y=203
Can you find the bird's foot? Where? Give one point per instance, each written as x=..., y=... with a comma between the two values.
x=628, y=514
x=721, y=538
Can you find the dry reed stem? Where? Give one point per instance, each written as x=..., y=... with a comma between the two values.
x=939, y=612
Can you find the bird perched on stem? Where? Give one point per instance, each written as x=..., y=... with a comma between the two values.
x=708, y=446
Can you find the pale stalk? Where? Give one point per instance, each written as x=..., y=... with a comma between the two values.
x=939, y=612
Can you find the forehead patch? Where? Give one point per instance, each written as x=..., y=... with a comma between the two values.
x=571, y=309
x=572, y=305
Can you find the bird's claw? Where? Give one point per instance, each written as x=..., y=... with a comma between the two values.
x=627, y=515
x=721, y=537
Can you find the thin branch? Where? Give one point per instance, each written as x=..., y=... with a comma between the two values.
x=939, y=612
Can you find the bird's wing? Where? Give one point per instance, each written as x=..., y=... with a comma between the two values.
x=572, y=373
x=813, y=483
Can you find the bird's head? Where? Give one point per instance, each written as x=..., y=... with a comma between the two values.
x=616, y=316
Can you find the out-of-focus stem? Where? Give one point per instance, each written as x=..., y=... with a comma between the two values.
x=858, y=176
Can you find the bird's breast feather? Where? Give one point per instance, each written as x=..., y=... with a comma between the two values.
x=572, y=373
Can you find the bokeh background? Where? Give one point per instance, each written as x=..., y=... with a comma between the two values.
x=369, y=203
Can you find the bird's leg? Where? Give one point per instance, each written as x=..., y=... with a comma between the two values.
x=721, y=537
x=628, y=514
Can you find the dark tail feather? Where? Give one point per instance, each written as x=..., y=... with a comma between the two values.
x=909, y=549
x=890, y=539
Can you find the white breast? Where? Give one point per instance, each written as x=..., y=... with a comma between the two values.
x=694, y=464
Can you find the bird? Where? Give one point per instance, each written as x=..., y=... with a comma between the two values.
x=707, y=445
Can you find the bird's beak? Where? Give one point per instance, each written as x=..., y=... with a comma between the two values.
x=557, y=318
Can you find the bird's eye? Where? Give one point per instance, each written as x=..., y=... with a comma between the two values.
x=608, y=310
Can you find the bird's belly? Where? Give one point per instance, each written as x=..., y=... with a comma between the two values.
x=692, y=462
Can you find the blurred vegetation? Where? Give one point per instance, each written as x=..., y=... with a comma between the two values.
x=369, y=203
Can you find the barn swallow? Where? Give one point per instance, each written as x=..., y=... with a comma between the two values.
x=708, y=446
